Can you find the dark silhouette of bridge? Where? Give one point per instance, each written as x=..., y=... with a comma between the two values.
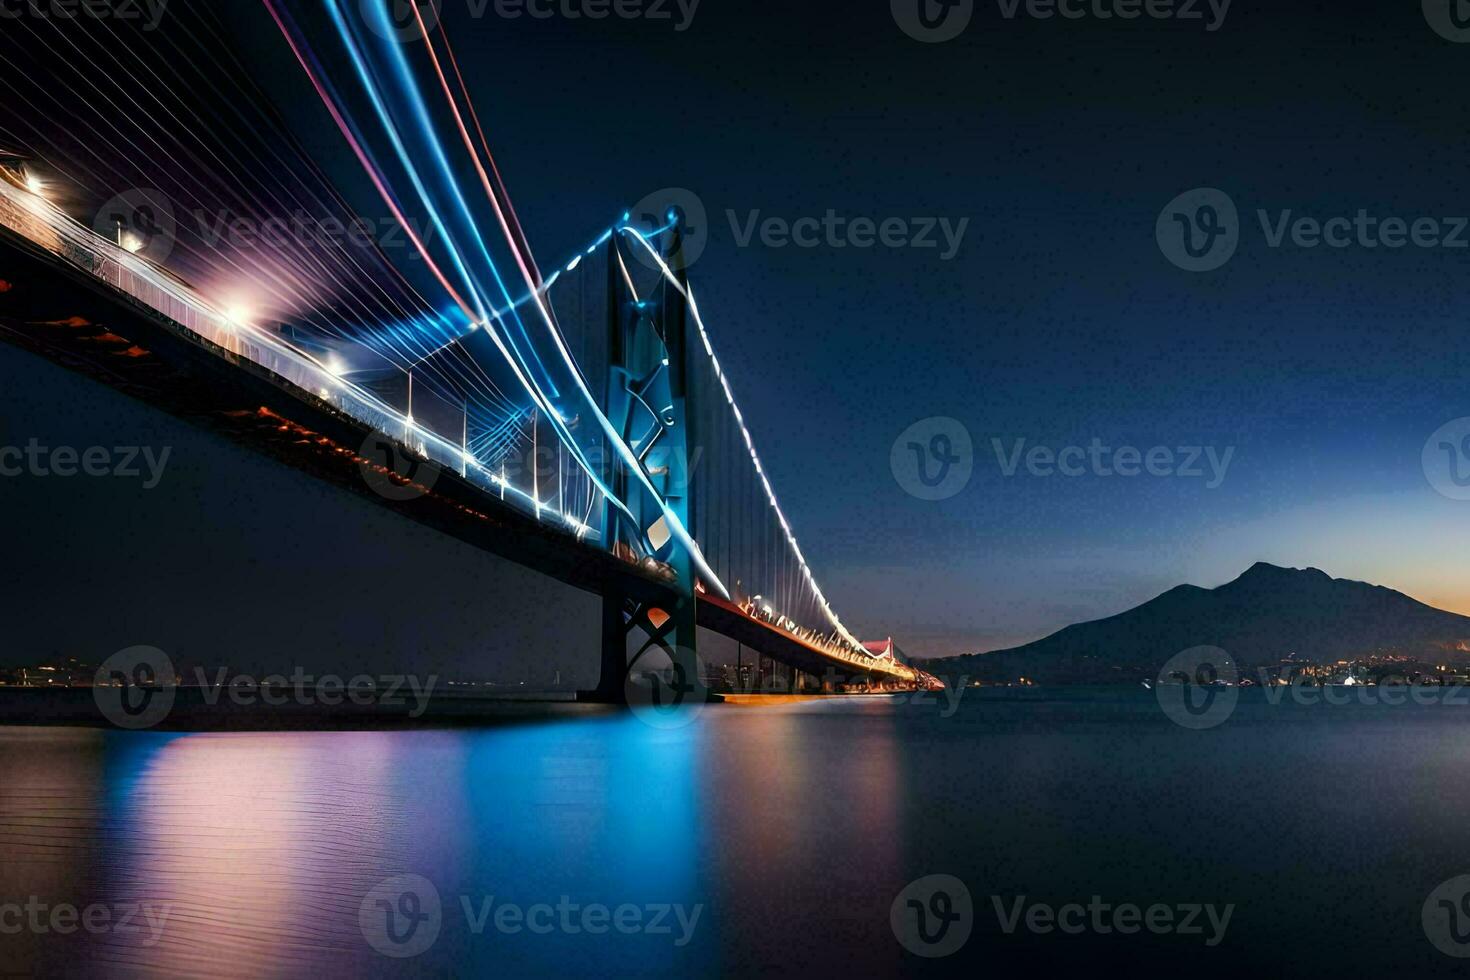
x=577, y=422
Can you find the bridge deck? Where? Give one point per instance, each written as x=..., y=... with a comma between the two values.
x=730, y=620
x=87, y=325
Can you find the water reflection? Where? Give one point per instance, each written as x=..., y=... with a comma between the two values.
x=50, y=827
x=254, y=844
x=781, y=833
x=256, y=850
x=616, y=847
x=807, y=843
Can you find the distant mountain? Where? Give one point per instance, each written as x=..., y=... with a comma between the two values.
x=1266, y=615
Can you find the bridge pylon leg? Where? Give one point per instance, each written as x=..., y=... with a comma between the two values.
x=647, y=403
x=631, y=631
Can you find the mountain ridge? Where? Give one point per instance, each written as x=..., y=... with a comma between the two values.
x=1266, y=615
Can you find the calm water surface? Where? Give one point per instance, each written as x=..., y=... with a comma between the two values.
x=790, y=830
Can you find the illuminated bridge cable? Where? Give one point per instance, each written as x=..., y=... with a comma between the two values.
x=311, y=259
x=522, y=363
x=230, y=180
x=349, y=131
x=790, y=538
x=418, y=338
x=384, y=191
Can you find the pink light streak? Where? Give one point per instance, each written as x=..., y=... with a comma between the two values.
x=367, y=164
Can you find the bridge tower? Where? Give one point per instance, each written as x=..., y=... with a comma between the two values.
x=648, y=404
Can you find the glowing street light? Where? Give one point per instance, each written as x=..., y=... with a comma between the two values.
x=35, y=185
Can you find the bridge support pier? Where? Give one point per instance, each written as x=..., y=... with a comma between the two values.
x=631, y=630
x=647, y=402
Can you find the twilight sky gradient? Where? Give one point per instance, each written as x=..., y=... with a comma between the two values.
x=1059, y=320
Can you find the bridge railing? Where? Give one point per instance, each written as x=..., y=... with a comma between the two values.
x=157, y=292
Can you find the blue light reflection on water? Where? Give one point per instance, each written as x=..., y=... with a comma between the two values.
x=263, y=845
x=607, y=814
x=794, y=826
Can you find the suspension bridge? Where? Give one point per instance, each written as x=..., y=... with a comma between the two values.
x=575, y=419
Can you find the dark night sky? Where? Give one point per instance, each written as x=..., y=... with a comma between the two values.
x=1058, y=321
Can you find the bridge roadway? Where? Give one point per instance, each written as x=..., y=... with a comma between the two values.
x=78, y=320
x=728, y=619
